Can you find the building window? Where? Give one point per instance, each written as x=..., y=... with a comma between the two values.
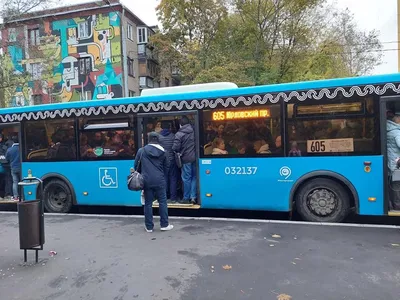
x=131, y=93
x=248, y=131
x=141, y=49
x=12, y=35
x=36, y=71
x=142, y=82
x=131, y=67
x=34, y=38
x=129, y=32
x=142, y=35
x=83, y=30
x=85, y=66
x=150, y=83
x=37, y=99
x=166, y=82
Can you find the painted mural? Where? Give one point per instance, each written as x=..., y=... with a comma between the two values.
x=66, y=60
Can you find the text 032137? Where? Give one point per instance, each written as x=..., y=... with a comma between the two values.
x=240, y=170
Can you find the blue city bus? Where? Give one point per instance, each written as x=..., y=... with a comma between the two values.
x=317, y=147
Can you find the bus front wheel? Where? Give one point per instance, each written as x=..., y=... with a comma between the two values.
x=322, y=200
x=57, y=196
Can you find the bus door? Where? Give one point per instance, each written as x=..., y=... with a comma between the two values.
x=390, y=116
x=162, y=123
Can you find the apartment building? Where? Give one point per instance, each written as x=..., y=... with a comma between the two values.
x=81, y=52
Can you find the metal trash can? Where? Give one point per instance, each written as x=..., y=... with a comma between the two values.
x=31, y=220
x=31, y=233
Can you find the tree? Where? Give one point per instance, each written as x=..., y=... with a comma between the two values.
x=267, y=41
x=191, y=26
x=21, y=76
x=360, y=51
x=11, y=10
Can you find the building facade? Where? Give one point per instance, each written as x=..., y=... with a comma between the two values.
x=75, y=53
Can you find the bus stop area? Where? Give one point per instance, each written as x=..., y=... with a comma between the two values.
x=108, y=257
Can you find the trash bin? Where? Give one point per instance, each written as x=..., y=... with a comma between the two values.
x=31, y=219
x=31, y=233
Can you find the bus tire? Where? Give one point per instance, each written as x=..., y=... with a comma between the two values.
x=322, y=200
x=57, y=196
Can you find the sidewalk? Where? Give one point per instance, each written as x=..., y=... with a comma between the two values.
x=115, y=259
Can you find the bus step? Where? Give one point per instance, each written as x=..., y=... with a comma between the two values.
x=8, y=202
x=179, y=205
x=394, y=213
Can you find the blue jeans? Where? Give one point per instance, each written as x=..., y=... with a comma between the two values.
x=161, y=195
x=16, y=177
x=8, y=181
x=189, y=181
x=172, y=180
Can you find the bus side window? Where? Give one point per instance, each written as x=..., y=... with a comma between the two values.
x=106, y=138
x=347, y=128
x=50, y=140
x=252, y=131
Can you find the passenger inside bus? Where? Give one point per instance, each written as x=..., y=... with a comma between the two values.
x=261, y=147
x=219, y=147
x=6, y=142
x=393, y=152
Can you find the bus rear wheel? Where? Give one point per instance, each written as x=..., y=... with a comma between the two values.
x=57, y=197
x=322, y=200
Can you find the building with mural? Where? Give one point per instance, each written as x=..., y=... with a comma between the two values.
x=81, y=52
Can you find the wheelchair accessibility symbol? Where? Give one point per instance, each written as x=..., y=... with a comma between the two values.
x=108, y=178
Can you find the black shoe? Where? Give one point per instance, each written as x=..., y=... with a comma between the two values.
x=193, y=201
x=184, y=201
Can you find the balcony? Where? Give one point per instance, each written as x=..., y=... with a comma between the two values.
x=148, y=54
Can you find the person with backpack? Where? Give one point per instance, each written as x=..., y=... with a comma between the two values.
x=184, y=144
x=152, y=163
x=166, y=141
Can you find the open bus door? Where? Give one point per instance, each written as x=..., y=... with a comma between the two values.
x=149, y=122
x=388, y=106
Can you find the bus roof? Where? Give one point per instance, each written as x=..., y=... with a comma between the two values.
x=189, y=88
x=292, y=88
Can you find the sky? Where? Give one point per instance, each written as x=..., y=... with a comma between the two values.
x=369, y=14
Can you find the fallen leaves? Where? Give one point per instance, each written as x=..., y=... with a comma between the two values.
x=284, y=297
x=227, y=267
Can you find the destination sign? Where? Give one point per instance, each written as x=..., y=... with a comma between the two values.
x=241, y=114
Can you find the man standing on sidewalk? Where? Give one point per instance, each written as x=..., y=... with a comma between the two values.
x=184, y=144
x=13, y=157
x=152, y=162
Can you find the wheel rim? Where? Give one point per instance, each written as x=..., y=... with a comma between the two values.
x=57, y=197
x=322, y=202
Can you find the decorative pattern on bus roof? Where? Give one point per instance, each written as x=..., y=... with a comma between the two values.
x=205, y=103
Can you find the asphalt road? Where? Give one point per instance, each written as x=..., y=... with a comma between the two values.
x=114, y=258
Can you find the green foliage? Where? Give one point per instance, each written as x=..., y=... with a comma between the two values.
x=253, y=42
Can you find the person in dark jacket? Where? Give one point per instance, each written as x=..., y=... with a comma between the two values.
x=152, y=162
x=166, y=141
x=6, y=181
x=184, y=144
x=13, y=156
